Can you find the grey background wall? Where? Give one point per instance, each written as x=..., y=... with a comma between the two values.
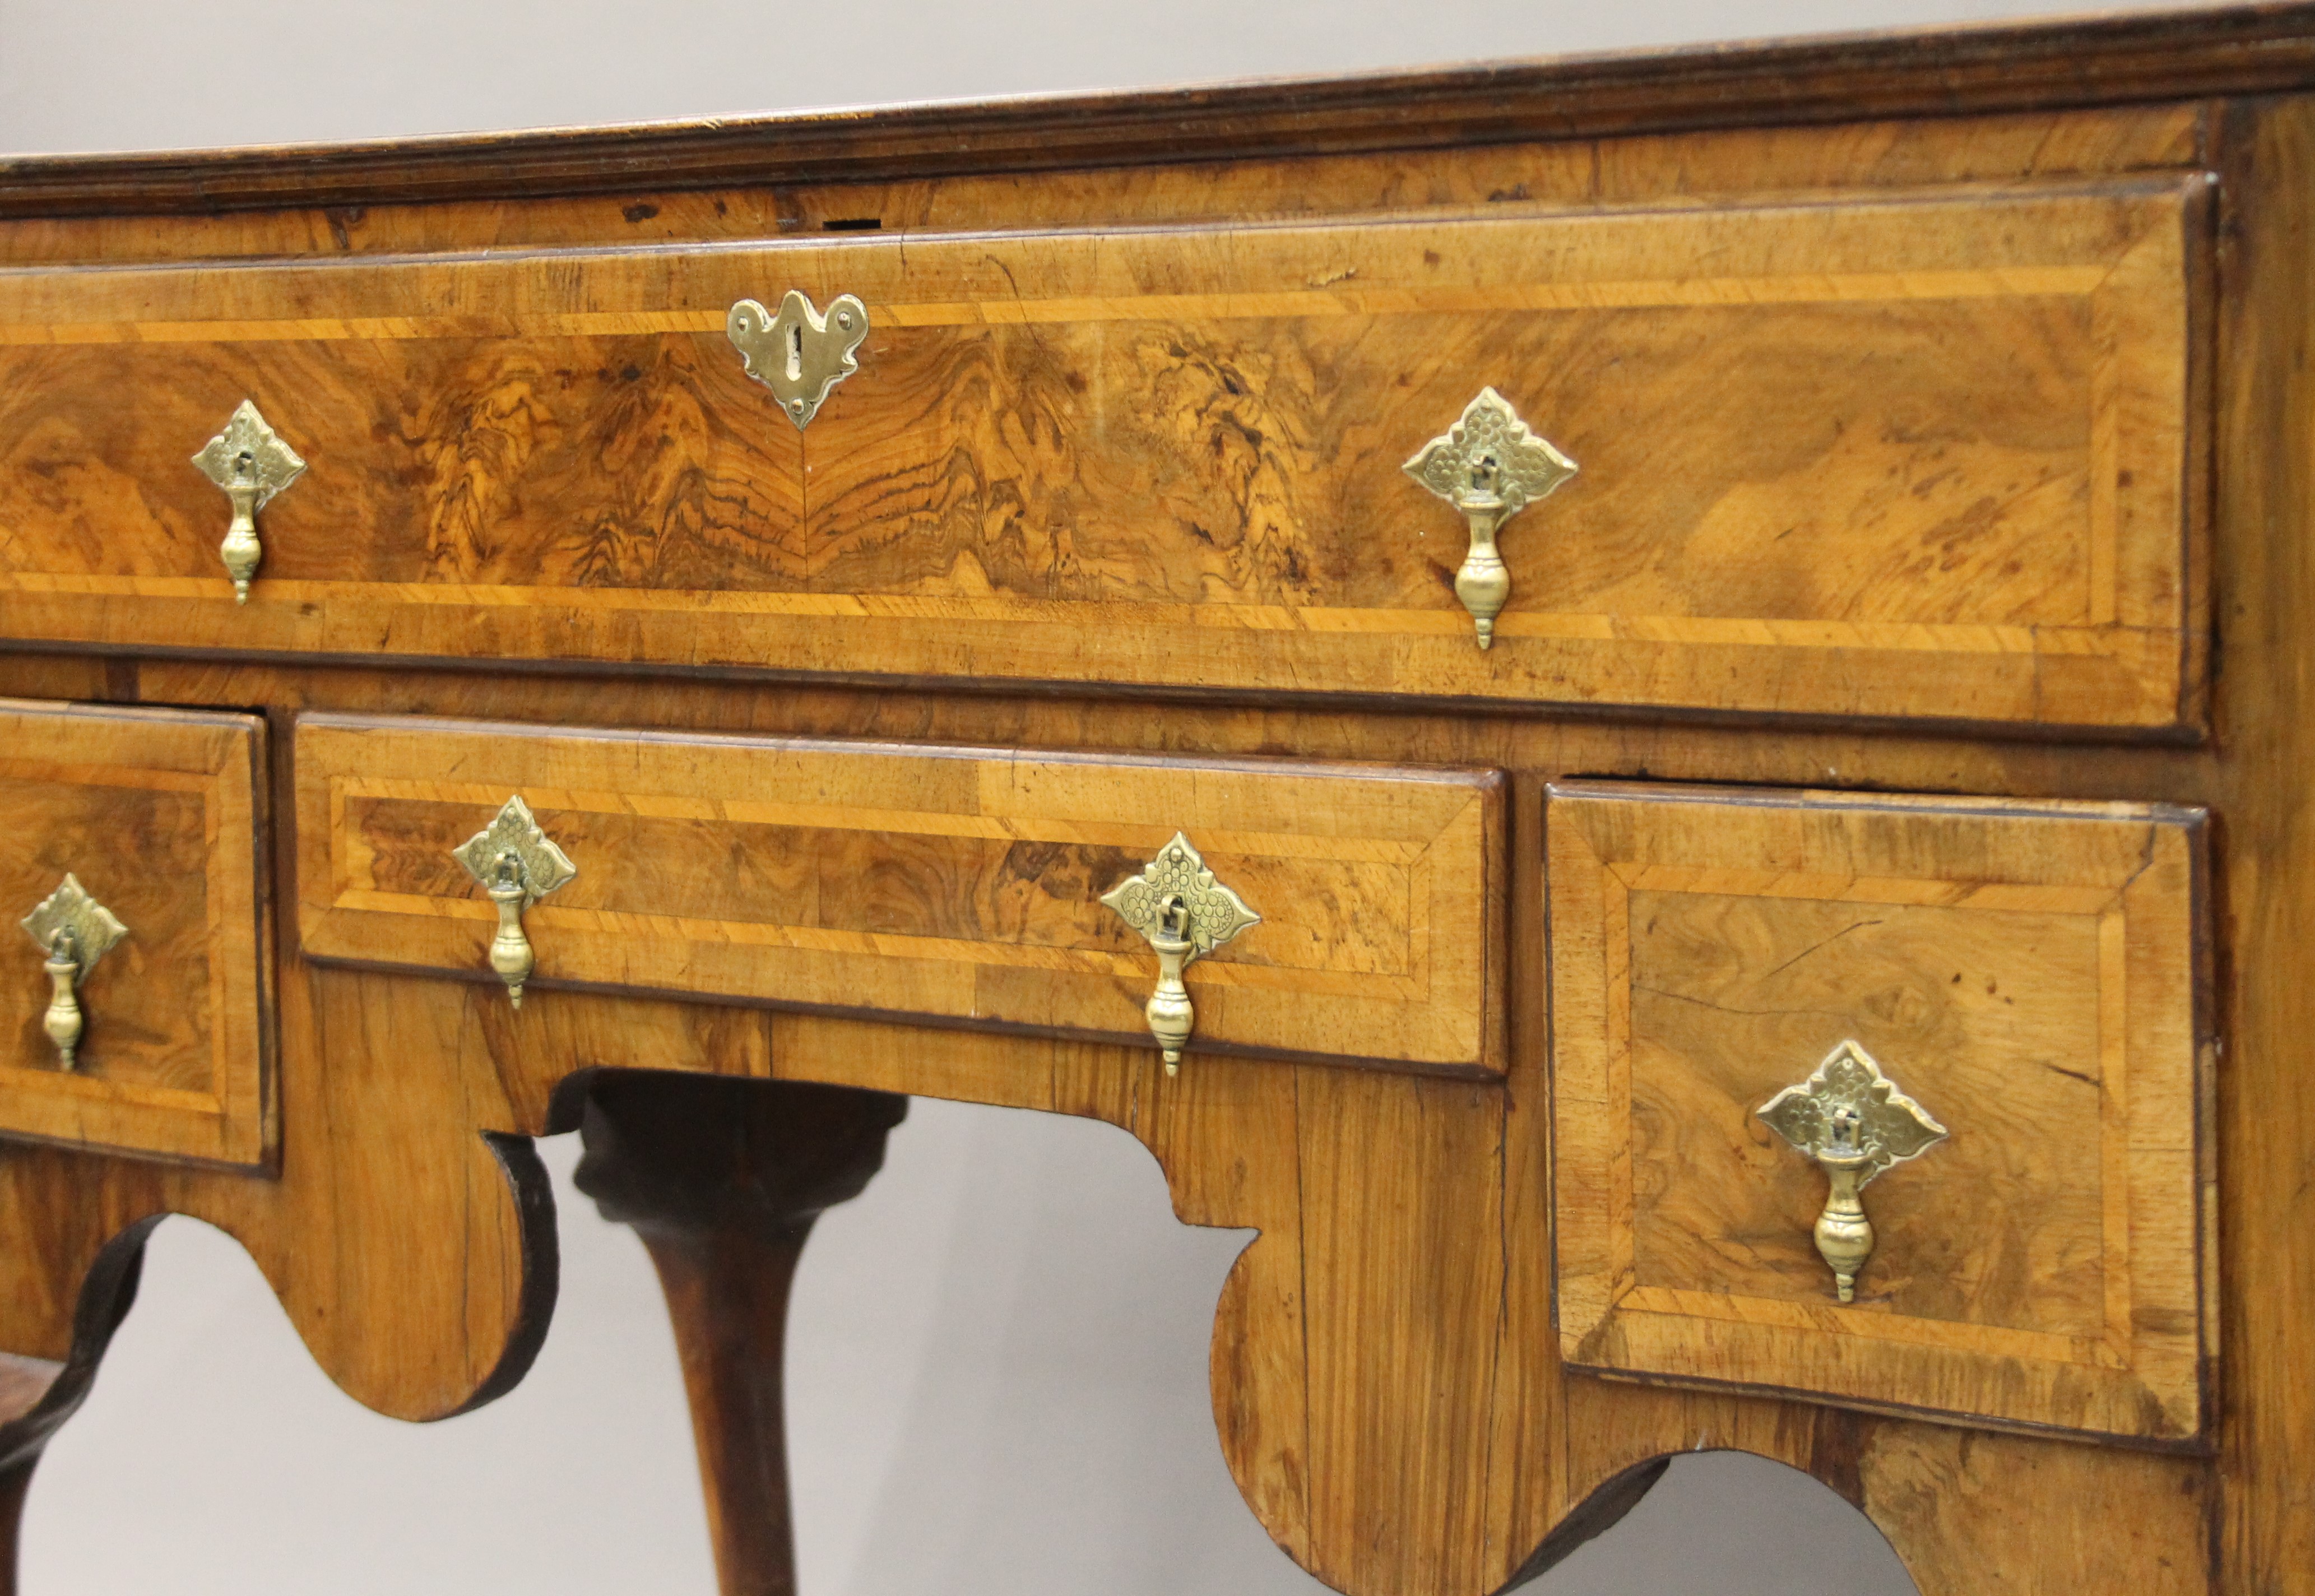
x=997, y=1361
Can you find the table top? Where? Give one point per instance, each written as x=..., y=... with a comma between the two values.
x=2043, y=65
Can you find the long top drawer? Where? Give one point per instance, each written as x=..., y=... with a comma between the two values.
x=1925, y=455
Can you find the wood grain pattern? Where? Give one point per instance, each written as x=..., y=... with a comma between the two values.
x=954, y=884
x=429, y=1297
x=1365, y=1468
x=402, y=1228
x=482, y=466
x=159, y=814
x=2264, y=1121
x=1229, y=1117
x=1382, y=1491
x=1967, y=1511
x=1816, y=526
x=1928, y=456
x=2027, y=972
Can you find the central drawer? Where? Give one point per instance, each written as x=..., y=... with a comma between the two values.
x=954, y=885
x=1932, y=455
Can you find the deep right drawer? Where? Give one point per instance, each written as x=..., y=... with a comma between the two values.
x=1888, y=1101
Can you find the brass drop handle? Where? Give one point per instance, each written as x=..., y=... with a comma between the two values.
x=250, y=463
x=511, y=951
x=63, y=1021
x=241, y=550
x=1489, y=467
x=1171, y=1014
x=1854, y=1122
x=1181, y=911
x=1844, y=1235
x=73, y=931
x=516, y=864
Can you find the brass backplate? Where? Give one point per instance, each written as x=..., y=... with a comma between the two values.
x=514, y=830
x=92, y=928
x=1176, y=896
x=250, y=451
x=1848, y=1092
x=1490, y=460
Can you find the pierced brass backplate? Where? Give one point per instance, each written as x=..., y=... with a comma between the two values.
x=517, y=863
x=251, y=463
x=1489, y=467
x=799, y=354
x=1854, y=1121
x=1183, y=911
x=74, y=930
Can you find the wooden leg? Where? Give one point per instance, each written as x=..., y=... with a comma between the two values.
x=16, y=1479
x=723, y=1179
x=38, y=1394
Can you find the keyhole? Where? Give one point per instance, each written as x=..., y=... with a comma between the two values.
x=795, y=353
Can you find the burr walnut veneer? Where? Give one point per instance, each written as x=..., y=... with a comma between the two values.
x=1922, y=425
x=1829, y=978
x=2029, y=968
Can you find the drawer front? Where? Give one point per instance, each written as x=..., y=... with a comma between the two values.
x=953, y=885
x=2026, y=973
x=1929, y=455
x=156, y=816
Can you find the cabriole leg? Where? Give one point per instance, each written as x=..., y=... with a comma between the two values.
x=723, y=1179
x=38, y=1394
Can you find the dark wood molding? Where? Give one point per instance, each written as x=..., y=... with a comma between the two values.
x=2162, y=56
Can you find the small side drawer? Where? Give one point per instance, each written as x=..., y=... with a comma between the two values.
x=157, y=816
x=2027, y=972
x=954, y=885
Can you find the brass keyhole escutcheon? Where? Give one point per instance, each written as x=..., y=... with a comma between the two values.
x=797, y=353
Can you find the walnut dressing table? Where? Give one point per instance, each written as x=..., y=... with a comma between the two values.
x=1658, y=713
